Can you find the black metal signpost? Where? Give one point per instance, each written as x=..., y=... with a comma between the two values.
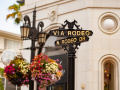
x=74, y=38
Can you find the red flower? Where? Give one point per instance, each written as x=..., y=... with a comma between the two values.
x=18, y=67
x=9, y=70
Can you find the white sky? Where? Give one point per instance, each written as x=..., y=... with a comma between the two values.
x=8, y=25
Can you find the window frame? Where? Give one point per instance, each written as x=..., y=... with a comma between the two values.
x=115, y=61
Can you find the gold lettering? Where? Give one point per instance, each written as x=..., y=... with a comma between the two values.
x=78, y=32
x=87, y=33
x=65, y=41
x=69, y=32
x=62, y=33
x=72, y=40
x=81, y=38
x=73, y=33
x=75, y=39
x=68, y=40
x=82, y=33
x=55, y=32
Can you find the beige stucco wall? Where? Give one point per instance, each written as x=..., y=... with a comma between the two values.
x=87, y=13
x=9, y=36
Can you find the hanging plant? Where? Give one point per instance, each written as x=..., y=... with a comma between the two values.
x=17, y=72
x=45, y=70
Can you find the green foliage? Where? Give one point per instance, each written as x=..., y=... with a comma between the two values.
x=1, y=84
x=1, y=71
x=16, y=14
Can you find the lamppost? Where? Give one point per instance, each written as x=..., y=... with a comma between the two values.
x=32, y=33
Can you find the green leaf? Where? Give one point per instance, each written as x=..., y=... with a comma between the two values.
x=1, y=71
x=1, y=83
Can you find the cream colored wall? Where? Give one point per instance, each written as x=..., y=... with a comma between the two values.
x=1, y=43
x=9, y=36
x=87, y=13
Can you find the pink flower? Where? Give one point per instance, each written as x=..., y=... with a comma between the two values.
x=13, y=72
x=57, y=60
x=13, y=64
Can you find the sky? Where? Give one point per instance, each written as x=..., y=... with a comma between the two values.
x=7, y=25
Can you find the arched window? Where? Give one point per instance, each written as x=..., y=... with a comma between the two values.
x=109, y=76
x=109, y=73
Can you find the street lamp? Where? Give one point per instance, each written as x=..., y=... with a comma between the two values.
x=42, y=35
x=32, y=33
x=25, y=32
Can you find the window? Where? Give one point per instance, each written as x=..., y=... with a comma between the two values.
x=108, y=73
x=13, y=45
x=108, y=76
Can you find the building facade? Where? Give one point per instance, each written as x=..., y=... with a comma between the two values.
x=97, y=66
x=9, y=41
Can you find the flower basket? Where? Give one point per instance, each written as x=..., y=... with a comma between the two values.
x=17, y=72
x=45, y=70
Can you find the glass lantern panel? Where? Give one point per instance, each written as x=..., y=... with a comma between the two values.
x=42, y=38
x=22, y=32
x=27, y=31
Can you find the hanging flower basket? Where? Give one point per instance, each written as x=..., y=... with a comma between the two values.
x=17, y=72
x=45, y=70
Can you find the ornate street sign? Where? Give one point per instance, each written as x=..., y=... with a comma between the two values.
x=71, y=40
x=74, y=36
x=70, y=32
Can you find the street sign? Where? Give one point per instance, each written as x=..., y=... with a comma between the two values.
x=70, y=32
x=71, y=40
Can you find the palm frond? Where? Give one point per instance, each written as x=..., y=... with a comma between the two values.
x=19, y=15
x=16, y=15
x=14, y=7
x=17, y=20
x=8, y=16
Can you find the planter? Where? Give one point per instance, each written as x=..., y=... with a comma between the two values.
x=45, y=71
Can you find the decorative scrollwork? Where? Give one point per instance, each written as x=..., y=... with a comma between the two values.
x=52, y=15
x=71, y=49
x=33, y=34
x=27, y=19
x=70, y=25
x=40, y=24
